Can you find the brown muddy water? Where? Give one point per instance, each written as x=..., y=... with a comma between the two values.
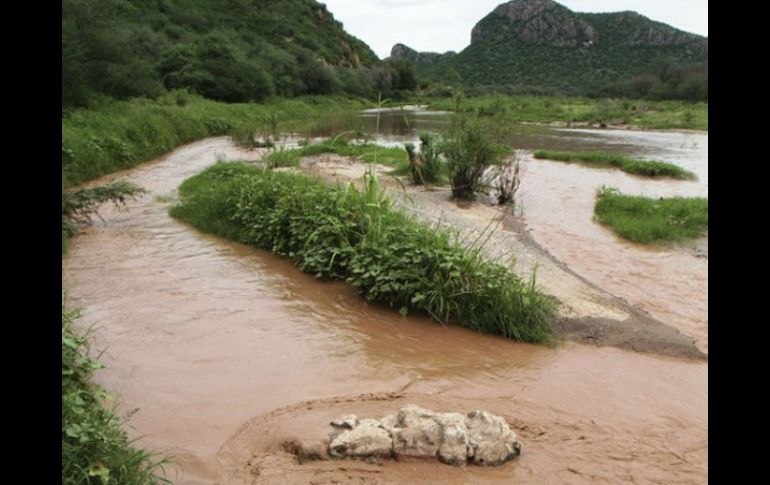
x=222, y=353
x=556, y=202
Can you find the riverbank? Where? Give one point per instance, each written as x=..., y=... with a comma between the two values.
x=115, y=135
x=577, y=111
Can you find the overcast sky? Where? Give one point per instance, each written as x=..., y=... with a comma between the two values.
x=443, y=25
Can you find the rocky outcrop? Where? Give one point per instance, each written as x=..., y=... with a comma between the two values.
x=414, y=432
x=535, y=22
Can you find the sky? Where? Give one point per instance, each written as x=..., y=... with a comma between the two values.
x=444, y=25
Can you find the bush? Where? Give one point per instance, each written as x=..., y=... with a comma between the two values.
x=470, y=150
x=340, y=233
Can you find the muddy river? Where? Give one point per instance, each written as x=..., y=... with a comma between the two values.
x=221, y=353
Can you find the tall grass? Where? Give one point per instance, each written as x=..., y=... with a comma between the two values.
x=95, y=450
x=647, y=220
x=341, y=233
x=647, y=168
x=115, y=135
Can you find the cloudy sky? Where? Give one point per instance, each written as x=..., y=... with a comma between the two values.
x=442, y=25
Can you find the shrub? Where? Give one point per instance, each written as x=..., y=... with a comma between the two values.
x=470, y=150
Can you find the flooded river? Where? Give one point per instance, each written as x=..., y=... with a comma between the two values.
x=223, y=352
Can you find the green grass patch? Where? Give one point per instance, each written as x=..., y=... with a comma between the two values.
x=545, y=109
x=647, y=168
x=366, y=152
x=116, y=135
x=647, y=220
x=283, y=157
x=339, y=232
x=95, y=450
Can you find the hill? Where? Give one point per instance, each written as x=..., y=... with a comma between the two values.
x=540, y=45
x=228, y=50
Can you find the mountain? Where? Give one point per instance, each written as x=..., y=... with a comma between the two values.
x=230, y=50
x=543, y=44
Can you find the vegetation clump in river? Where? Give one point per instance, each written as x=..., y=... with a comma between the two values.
x=95, y=450
x=648, y=168
x=342, y=233
x=647, y=220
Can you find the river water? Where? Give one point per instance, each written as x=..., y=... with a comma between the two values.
x=211, y=343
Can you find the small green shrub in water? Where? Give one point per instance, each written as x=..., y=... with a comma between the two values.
x=342, y=233
x=648, y=168
x=95, y=450
x=648, y=220
x=470, y=150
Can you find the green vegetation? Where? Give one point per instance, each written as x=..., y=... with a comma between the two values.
x=340, y=233
x=283, y=158
x=646, y=220
x=224, y=50
x=427, y=167
x=78, y=207
x=95, y=450
x=560, y=52
x=546, y=109
x=120, y=134
x=648, y=168
x=470, y=149
x=228, y=50
x=366, y=152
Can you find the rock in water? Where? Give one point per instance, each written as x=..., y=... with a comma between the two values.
x=491, y=440
x=368, y=439
x=414, y=431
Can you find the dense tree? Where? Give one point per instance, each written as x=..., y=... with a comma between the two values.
x=228, y=50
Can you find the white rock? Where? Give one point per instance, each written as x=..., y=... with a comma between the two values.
x=491, y=441
x=454, y=444
x=416, y=433
x=367, y=439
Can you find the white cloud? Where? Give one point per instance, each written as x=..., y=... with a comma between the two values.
x=442, y=25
